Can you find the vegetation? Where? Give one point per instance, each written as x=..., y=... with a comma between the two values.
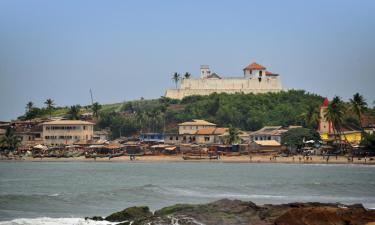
x=187, y=75
x=9, y=141
x=176, y=78
x=233, y=136
x=243, y=111
x=358, y=106
x=335, y=115
x=295, y=137
x=95, y=109
x=368, y=141
x=74, y=112
x=49, y=106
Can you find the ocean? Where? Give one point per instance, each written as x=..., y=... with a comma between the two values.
x=59, y=193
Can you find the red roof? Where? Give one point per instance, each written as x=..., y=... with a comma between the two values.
x=325, y=102
x=254, y=66
x=270, y=73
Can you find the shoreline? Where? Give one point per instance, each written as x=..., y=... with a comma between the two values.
x=256, y=159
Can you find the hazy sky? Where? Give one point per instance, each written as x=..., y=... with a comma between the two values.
x=124, y=50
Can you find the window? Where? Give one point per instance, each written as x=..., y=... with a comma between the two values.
x=206, y=138
x=176, y=138
x=84, y=127
x=260, y=73
x=171, y=138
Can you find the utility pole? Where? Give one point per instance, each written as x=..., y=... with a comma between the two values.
x=92, y=100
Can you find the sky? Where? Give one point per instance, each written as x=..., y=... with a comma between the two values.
x=125, y=50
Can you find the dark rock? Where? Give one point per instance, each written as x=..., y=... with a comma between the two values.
x=131, y=213
x=96, y=218
x=236, y=212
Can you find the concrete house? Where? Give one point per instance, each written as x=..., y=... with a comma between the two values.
x=67, y=132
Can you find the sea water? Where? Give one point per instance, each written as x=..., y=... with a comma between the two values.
x=59, y=193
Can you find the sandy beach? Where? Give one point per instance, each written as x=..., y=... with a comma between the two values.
x=223, y=159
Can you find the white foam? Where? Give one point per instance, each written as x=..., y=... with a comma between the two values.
x=54, y=221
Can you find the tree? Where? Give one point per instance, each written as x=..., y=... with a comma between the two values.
x=176, y=78
x=358, y=105
x=368, y=141
x=95, y=109
x=49, y=106
x=295, y=137
x=335, y=115
x=29, y=106
x=10, y=141
x=74, y=112
x=187, y=75
x=233, y=135
x=311, y=116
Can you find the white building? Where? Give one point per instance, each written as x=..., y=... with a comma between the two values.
x=256, y=79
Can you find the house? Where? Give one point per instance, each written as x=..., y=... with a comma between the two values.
x=102, y=135
x=191, y=127
x=268, y=133
x=265, y=146
x=210, y=135
x=348, y=133
x=172, y=139
x=67, y=132
x=187, y=130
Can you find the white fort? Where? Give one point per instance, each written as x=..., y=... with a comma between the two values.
x=256, y=79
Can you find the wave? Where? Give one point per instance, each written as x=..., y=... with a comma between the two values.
x=54, y=221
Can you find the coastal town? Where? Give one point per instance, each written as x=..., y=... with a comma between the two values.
x=85, y=134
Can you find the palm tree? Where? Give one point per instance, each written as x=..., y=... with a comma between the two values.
x=187, y=75
x=49, y=105
x=176, y=78
x=95, y=109
x=233, y=135
x=29, y=106
x=74, y=112
x=311, y=116
x=358, y=105
x=335, y=115
x=10, y=141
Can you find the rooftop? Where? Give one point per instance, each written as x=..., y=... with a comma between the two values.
x=268, y=143
x=197, y=123
x=254, y=66
x=68, y=122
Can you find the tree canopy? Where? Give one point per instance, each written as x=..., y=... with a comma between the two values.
x=295, y=137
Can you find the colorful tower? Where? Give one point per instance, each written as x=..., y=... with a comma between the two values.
x=324, y=125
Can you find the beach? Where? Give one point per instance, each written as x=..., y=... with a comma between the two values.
x=223, y=159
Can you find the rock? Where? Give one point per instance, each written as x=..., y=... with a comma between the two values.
x=326, y=214
x=96, y=218
x=236, y=212
x=132, y=213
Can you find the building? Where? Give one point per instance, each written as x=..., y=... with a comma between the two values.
x=210, y=135
x=255, y=79
x=265, y=146
x=348, y=133
x=191, y=127
x=268, y=133
x=67, y=132
x=101, y=135
x=151, y=137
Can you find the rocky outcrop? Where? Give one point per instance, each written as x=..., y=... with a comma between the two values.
x=236, y=212
x=130, y=214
